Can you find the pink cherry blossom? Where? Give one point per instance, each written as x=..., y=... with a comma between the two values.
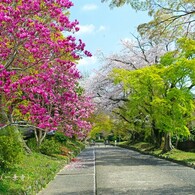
x=38, y=73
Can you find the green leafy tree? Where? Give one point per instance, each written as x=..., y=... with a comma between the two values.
x=143, y=85
x=161, y=95
x=102, y=125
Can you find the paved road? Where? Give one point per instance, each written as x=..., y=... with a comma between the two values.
x=76, y=178
x=111, y=170
x=122, y=171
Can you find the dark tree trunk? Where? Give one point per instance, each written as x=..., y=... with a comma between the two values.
x=156, y=135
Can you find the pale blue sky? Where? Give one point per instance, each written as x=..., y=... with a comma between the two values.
x=102, y=28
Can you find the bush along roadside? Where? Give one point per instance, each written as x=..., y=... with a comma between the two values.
x=29, y=173
x=175, y=155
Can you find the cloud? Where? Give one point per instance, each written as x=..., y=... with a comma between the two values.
x=89, y=7
x=86, y=29
x=101, y=28
x=84, y=62
x=90, y=28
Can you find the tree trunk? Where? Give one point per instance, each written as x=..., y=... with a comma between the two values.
x=156, y=135
x=27, y=149
x=10, y=118
x=177, y=141
x=40, y=136
x=167, y=145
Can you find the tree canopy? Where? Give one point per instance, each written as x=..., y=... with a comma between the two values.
x=38, y=73
x=161, y=96
x=174, y=18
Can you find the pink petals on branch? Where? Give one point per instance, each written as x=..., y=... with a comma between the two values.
x=38, y=73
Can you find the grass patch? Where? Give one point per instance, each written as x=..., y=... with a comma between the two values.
x=178, y=155
x=187, y=158
x=36, y=170
x=31, y=175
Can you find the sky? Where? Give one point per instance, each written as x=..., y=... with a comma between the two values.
x=102, y=29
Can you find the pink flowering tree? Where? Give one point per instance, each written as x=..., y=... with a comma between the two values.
x=38, y=74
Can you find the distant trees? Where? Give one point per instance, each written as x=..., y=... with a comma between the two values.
x=102, y=126
x=156, y=101
x=111, y=95
x=135, y=54
x=150, y=84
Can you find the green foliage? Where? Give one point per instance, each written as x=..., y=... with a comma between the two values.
x=160, y=96
x=79, y=90
x=187, y=46
x=192, y=134
x=190, y=137
x=75, y=147
x=32, y=174
x=34, y=171
x=3, y=117
x=80, y=145
x=56, y=145
x=50, y=146
x=99, y=140
x=11, y=148
x=32, y=144
x=168, y=58
x=102, y=124
x=60, y=137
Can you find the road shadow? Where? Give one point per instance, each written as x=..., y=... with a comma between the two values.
x=122, y=157
x=167, y=189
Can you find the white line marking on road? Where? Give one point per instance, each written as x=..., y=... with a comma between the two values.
x=94, y=171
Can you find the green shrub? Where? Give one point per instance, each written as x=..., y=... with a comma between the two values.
x=81, y=145
x=60, y=137
x=32, y=144
x=100, y=140
x=11, y=148
x=75, y=146
x=50, y=147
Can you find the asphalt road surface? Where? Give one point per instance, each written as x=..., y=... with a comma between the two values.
x=110, y=170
